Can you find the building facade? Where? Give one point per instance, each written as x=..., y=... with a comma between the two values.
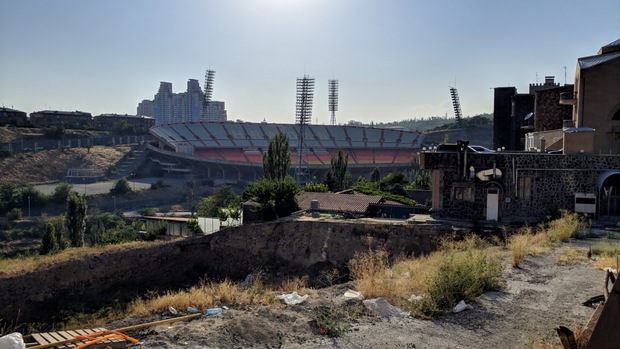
x=66, y=119
x=108, y=122
x=168, y=107
x=596, y=99
x=13, y=117
x=523, y=186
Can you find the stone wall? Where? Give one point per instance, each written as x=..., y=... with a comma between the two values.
x=554, y=180
x=549, y=113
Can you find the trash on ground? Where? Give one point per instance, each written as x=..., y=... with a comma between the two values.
x=353, y=295
x=12, y=341
x=382, y=308
x=192, y=310
x=292, y=298
x=173, y=311
x=415, y=299
x=461, y=306
x=214, y=311
x=247, y=281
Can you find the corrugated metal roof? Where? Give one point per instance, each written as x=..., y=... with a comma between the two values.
x=337, y=202
x=613, y=43
x=585, y=63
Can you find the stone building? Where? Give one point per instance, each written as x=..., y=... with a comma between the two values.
x=66, y=119
x=549, y=114
x=108, y=122
x=596, y=100
x=508, y=186
x=13, y=117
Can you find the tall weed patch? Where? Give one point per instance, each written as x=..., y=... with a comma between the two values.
x=568, y=226
x=464, y=271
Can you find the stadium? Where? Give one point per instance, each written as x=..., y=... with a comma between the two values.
x=234, y=150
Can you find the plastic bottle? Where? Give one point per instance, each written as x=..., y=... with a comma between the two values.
x=214, y=311
x=192, y=310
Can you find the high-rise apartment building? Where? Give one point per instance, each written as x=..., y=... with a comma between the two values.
x=168, y=107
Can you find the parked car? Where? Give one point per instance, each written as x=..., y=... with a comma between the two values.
x=453, y=148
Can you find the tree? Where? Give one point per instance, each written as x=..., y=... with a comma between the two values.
x=316, y=187
x=234, y=211
x=192, y=201
x=222, y=197
x=49, y=244
x=193, y=226
x=337, y=179
x=120, y=187
x=62, y=192
x=9, y=196
x=375, y=175
x=277, y=159
x=274, y=198
x=74, y=218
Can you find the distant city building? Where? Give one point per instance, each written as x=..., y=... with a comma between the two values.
x=66, y=119
x=108, y=122
x=168, y=107
x=13, y=117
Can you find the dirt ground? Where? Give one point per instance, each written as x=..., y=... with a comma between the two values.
x=536, y=298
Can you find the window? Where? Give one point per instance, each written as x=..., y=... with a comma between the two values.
x=525, y=188
x=462, y=193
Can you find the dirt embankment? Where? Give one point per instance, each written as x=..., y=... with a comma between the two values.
x=281, y=249
x=51, y=165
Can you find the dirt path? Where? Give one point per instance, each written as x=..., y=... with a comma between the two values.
x=536, y=298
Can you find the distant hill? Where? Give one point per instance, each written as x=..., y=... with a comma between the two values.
x=433, y=123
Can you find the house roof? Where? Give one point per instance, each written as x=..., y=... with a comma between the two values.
x=168, y=219
x=613, y=46
x=588, y=62
x=338, y=202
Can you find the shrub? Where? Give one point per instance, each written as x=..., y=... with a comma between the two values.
x=62, y=192
x=568, y=226
x=14, y=213
x=526, y=243
x=148, y=212
x=120, y=187
x=329, y=323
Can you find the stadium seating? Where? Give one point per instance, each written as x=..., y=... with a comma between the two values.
x=233, y=154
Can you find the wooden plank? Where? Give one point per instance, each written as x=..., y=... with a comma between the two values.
x=37, y=337
x=56, y=336
x=48, y=338
x=65, y=335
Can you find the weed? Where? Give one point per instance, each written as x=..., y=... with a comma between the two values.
x=606, y=249
x=570, y=255
x=295, y=284
x=568, y=226
x=333, y=321
x=526, y=243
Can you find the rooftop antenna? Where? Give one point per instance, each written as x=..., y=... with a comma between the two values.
x=564, y=75
x=208, y=93
x=333, y=99
x=303, y=117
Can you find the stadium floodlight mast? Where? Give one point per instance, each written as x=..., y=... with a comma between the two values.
x=333, y=99
x=303, y=116
x=208, y=93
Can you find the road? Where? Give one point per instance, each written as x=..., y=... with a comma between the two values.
x=104, y=187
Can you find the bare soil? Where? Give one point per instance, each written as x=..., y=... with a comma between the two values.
x=51, y=165
x=536, y=298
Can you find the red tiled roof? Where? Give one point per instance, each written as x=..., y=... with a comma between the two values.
x=338, y=202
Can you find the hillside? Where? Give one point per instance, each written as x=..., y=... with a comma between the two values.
x=51, y=165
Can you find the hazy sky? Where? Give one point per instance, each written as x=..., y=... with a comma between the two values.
x=395, y=59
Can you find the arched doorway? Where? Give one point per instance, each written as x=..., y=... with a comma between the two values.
x=609, y=194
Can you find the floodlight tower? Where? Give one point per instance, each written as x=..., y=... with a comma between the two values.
x=303, y=117
x=333, y=99
x=457, y=110
x=209, y=77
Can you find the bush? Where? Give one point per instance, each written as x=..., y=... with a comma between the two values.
x=121, y=187
x=568, y=226
x=151, y=212
x=13, y=214
x=62, y=192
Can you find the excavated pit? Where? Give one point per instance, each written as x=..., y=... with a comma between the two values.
x=281, y=249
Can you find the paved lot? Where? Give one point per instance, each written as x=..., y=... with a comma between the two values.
x=104, y=187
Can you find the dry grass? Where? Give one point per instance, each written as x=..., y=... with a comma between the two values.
x=569, y=226
x=458, y=269
x=207, y=295
x=607, y=254
x=295, y=284
x=526, y=243
x=15, y=266
x=570, y=255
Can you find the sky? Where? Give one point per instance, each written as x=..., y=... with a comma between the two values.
x=394, y=59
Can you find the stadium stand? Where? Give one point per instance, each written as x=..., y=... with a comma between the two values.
x=245, y=142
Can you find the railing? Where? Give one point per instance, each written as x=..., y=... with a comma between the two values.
x=568, y=97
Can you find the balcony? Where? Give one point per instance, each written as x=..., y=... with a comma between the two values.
x=568, y=98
